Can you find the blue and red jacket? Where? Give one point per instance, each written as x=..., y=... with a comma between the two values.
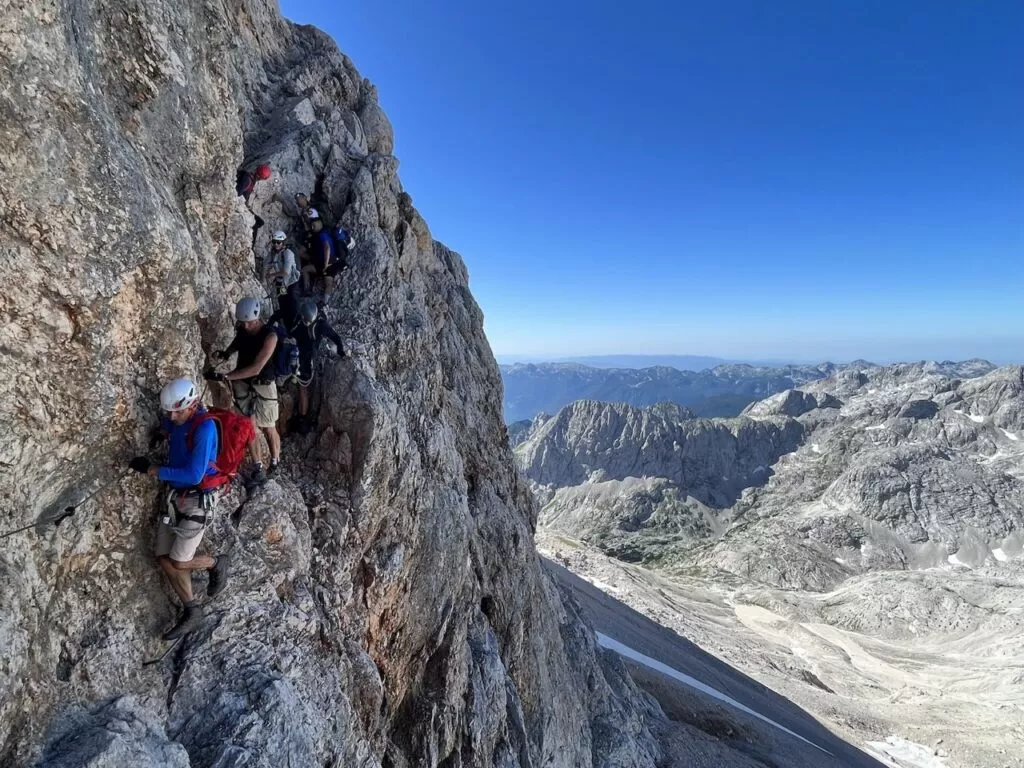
x=186, y=467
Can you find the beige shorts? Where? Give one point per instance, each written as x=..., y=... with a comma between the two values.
x=258, y=401
x=181, y=541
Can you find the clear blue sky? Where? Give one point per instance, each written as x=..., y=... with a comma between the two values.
x=806, y=179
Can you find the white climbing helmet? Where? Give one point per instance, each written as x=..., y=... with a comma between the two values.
x=178, y=395
x=279, y=237
x=247, y=309
x=312, y=213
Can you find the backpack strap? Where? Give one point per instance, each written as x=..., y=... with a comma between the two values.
x=190, y=442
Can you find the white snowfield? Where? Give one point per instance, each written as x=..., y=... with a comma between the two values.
x=905, y=753
x=624, y=650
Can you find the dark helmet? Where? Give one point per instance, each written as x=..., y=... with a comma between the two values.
x=308, y=311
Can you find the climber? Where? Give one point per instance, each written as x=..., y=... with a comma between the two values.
x=282, y=274
x=324, y=262
x=193, y=445
x=253, y=380
x=245, y=183
x=307, y=330
x=302, y=204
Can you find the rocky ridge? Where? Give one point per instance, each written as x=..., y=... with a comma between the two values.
x=386, y=607
x=881, y=468
x=616, y=475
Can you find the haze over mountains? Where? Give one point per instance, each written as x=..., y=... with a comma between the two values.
x=682, y=362
x=532, y=388
x=859, y=538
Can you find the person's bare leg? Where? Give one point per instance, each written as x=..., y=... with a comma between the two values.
x=274, y=441
x=257, y=452
x=180, y=574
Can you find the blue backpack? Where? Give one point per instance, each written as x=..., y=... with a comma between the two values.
x=341, y=239
x=286, y=354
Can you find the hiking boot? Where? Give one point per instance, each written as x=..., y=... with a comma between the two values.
x=191, y=618
x=256, y=479
x=274, y=466
x=218, y=576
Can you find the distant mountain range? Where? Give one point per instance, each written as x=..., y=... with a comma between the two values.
x=875, y=468
x=681, y=362
x=725, y=390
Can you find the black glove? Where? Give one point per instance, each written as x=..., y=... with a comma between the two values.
x=214, y=376
x=219, y=354
x=140, y=464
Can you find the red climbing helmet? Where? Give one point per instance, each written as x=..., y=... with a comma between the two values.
x=263, y=172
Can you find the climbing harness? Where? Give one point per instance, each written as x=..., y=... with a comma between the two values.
x=173, y=517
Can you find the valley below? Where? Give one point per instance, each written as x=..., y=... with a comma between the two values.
x=853, y=545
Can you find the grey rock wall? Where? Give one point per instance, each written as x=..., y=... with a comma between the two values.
x=387, y=607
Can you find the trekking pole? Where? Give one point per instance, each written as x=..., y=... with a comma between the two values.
x=69, y=510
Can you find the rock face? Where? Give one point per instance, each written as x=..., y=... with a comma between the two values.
x=386, y=606
x=602, y=468
x=915, y=470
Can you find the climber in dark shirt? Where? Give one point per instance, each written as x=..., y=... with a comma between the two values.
x=253, y=381
x=307, y=330
x=323, y=261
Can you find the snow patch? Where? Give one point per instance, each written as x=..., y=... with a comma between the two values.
x=954, y=560
x=624, y=650
x=609, y=589
x=999, y=555
x=874, y=427
x=971, y=416
x=905, y=753
x=1010, y=434
x=816, y=447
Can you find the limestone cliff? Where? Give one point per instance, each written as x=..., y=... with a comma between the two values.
x=387, y=607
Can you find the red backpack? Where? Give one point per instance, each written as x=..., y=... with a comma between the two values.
x=234, y=433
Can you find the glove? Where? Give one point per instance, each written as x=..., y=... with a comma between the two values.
x=214, y=376
x=350, y=244
x=140, y=464
x=219, y=354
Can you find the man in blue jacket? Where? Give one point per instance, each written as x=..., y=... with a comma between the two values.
x=193, y=445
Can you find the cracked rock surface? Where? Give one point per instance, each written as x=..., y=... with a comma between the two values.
x=386, y=605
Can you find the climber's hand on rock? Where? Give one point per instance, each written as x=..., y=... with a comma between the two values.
x=219, y=354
